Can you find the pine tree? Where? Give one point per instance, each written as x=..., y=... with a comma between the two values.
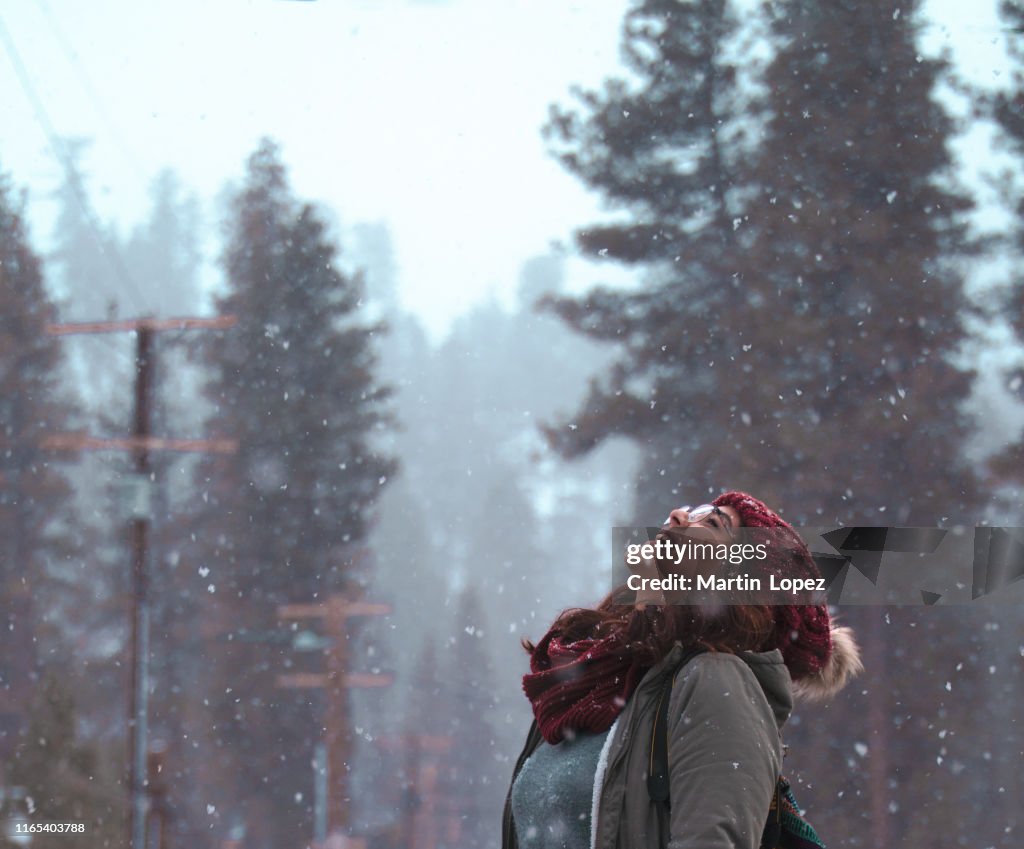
x=850, y=306
x=36, y=537
x=163, y=253
x=798, y=290
x=1005, y=683
x=813, y=364
x=670, y=151
x=849, y=313
x=85, y=277
x=295, y=384
x=88, y=277
x=1008, y=464
x=282, y=519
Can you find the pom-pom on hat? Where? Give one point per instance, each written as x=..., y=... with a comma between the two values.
x=821, y=656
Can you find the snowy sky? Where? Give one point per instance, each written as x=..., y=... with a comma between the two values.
x=424, y=114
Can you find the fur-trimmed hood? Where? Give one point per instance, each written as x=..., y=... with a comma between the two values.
x=843, y=664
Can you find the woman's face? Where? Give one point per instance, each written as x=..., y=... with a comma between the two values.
x=718, y=526
x=721, y=524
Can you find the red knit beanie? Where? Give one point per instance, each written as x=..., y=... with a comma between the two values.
x=820, y=656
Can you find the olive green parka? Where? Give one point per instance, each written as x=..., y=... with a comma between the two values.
x=725, y=715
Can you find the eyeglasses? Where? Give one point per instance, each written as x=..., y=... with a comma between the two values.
x=699, y=514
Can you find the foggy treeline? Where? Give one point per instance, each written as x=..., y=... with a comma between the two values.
x=781, y=185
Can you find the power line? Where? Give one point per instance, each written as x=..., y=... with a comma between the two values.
x=71, y=175
x=83, y=77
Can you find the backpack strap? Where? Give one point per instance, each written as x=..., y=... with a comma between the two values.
x=658, y=785
x=772, y=834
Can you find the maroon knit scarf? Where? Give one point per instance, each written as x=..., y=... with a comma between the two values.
x=580, y=685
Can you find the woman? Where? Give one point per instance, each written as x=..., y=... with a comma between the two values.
x=595, y=681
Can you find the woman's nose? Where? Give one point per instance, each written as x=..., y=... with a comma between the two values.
x=679, y=516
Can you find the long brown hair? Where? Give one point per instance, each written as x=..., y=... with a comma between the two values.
x=653, y=630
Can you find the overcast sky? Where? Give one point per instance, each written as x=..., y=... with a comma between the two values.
x=423, y=114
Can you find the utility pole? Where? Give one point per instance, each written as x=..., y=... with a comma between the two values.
x=336, y=683
x=425, y=814
x=157, y=779
x=140, y=582
x=140, y=444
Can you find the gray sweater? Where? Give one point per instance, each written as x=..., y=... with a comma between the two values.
x=553, y=793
